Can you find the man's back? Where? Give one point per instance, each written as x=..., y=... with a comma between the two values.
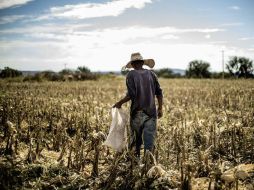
x=142, y=87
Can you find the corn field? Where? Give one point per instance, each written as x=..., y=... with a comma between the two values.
x=52, y=136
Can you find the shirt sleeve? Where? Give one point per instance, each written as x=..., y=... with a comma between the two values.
x=130, y=86
x=158, y=90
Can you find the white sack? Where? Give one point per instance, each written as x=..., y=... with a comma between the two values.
x=117, y=137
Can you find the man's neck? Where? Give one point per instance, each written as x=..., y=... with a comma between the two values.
x=139, y=68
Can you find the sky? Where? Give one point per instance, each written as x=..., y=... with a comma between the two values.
x=102, y=34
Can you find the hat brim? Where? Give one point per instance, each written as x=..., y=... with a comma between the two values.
x=148, y=62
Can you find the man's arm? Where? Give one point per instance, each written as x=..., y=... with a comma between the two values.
x=130, y=91
x=160, y=102
x=159, y=95
x=122, y=101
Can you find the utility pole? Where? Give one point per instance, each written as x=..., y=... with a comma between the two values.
x=65, y=65
x=222, y=64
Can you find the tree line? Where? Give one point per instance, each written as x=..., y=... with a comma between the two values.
x=81, y=73
x=237, y=67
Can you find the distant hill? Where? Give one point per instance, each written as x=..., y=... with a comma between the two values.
x=179, y=71
x=29, y=73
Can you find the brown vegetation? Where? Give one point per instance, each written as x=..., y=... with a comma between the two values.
x=52, y=133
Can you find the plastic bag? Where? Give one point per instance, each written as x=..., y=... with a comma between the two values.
x=117, y=137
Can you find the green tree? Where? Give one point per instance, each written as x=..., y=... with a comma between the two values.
x=47, y=74
x=240, y=67
x=66, y=72
x=84, y=69
x=84, y=73
x=165, y=73
x=198, y=69
x=8, y=72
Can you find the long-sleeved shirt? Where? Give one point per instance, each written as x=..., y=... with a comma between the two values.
x=142, y=87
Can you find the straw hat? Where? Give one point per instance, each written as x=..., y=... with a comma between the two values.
x=137, y=56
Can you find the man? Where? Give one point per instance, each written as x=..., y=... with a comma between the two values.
x=142, y=87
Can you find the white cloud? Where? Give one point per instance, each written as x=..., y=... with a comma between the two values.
x=218, y=42
x=200, y=30
x=89, y=10
x=233, y=24
x=81, y=41
x=207, y=36
x=126, y=32
x=50, y=46
x=236, y=8
x=170, y=37
x=10, y=19
x=246, y=38
x=11, y=3
x=76, y=51
x=48, y=36
x=93, y=10
x=33, y=55
x=46, y=28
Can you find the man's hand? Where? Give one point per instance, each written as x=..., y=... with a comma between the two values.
x=121, y=102
x=160, y=113
x=117, y=105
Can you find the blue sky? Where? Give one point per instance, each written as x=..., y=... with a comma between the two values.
x=49, y=34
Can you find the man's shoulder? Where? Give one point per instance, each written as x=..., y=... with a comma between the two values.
x=153, y=73
x=133, y=73
x=130, y=74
